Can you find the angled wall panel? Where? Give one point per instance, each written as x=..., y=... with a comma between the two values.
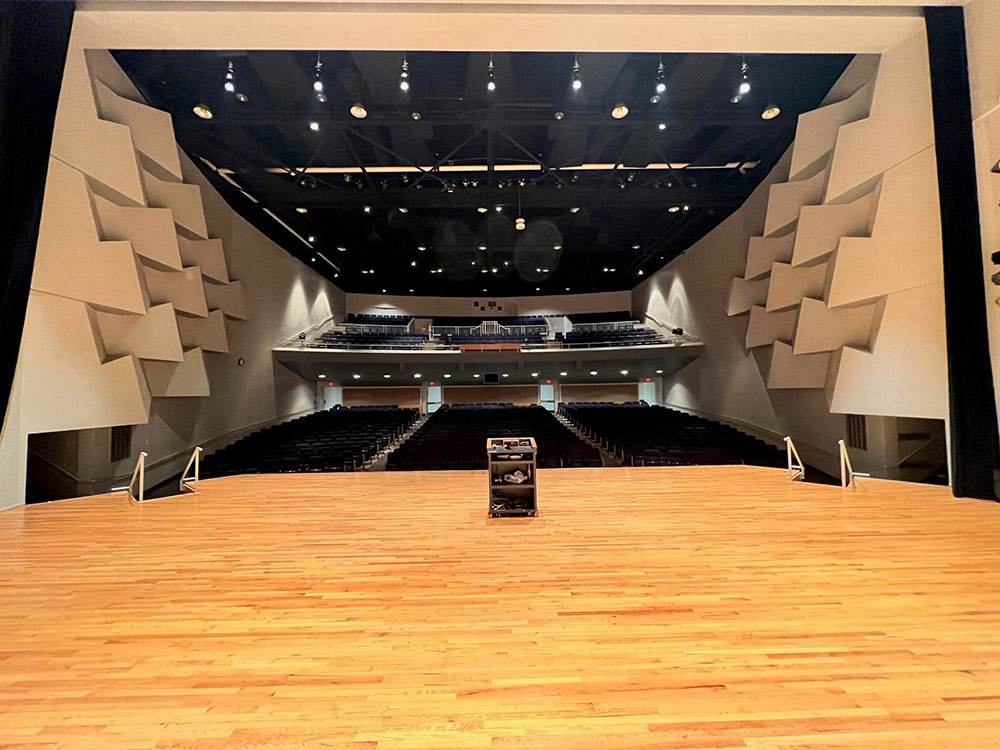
x=71, y=260
x=765, y=251
x=207, y=334
x=150, y=230
x=208, y=255
x=152, y=129
x=823, y=329
x=184, y=289
x=229, y=298
x=789, y=370
x=150, y=336
x=789, y=285
x=765, y=328
x=816, y=132
x=178, y=379
x=821, y=228
x=787, y=198
x=184, y=201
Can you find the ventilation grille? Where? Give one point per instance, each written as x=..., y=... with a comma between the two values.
x=121, y=442
x=857, y=431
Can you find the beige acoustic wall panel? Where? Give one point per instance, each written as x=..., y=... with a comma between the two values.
x=821, y=228
x=150, y=336
x=178, y=379
x=207, y=334
x=816, y=131
x=787, y=198
x=765, y=328
x=208, y=255
x=152, y=129
x=765, y=251
x=150, y=230
x=789, y=285
x=103, y=150
x=745, y=294
x=899, y=124
x=184, y=201
x=70, y=258
x=789, y=370
x=185, y=289
x=823, y=329
x=67, y=386
x=229, y=298
x=904, y=250
x=906, y=374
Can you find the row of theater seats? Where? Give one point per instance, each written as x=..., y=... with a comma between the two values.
x=341, y=340
x=633, y=337
x=455, y=438
x=489, y=338
x=511, y=320
x=382, y=320
x=601, y=317
x=644, y=435
x=340, y=439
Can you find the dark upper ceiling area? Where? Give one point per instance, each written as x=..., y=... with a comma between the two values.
x=394, y=202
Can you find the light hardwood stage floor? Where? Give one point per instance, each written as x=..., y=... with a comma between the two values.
x=644, y=608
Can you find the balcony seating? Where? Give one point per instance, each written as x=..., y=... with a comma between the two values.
x=633, y=337
x=380, y=320
x=455, y=438
x=340, y=340
x=500, y=338
x=339, y=439
x=644, y=435
x=600, y=317
x=468, y=322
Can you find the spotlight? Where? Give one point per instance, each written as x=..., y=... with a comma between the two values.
x=414, y=115
x=640, y=272
x=202, y=111
x=386, y=375
x=744, y=87
x=687, y=207
x=635, y=246
x=482, y=209
x=498, y=208
x=770, y=112
x=230, y=84
x=619, y=111
x=421, y=248
x=482, y=247
x=302, y=210
x=313, y=259
x=312, y=238
x=476, y=375
x=404, y=210
x=659, y=372
x=662, y=126
x=491, y=82
x=313, y=126
x=341, y=248
x=505, y=375
x=661, y=78
x=562, y=374
x=358, y=110
x=413, y=264
x=624, y=372
x=416, y=376
x=404, y=76
x=367, y=209
x=559, y=115
x=674, y=209
x=557, y=247
x=447, y=375
x=577, y=84
x=593, y=372
x=534, y=374
x=574, y=209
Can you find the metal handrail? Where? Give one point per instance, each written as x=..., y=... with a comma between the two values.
x=847, y=473
x=140, y=472
x=191, y=482
x=796, y=469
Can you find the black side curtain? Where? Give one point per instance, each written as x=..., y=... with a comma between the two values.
x=34, y=36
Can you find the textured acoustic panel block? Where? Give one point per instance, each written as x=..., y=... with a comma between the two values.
x=152, y=129
x=789, y=370
x=184, y=201
x=906, y=373
x=70, y=258
x=68, y=387
x=785, y=199
x=230, y=298
x=208, y=255
x=150, y=336
x=207, y=334
x=765, y=251
x=150, y=230
x=178, y=379
x=816, y=131
x=823, y=329
x=185, y=289
x=904, y=250
x=821, y=228
x=765, y=328
x=899, y=123
x=102, y=150
x=789, y=285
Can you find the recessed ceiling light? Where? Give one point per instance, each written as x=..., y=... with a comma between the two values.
x=356, y=376
x=534, y=374
x=574, y=209
x=619, y=111
x=562, y=374
x=302, y=210
x=557, y=247
x=624, y=372
x=641, y=272
x=358, y=110
x=313, y=125
x=687, y=207
x=770, y=112
x=559, y=115
x=341, y=248
x=414, y=115
x=482, y=247
x=567, y=289
x=476, y=375
x=447, y=375
x=314, y=259
x=386, y=375
x=482, y=209
x=203, y=111
x=421, y=248
x=499, y=208
x=416, y=375
x=413, y=263
x=321, y=376
x=241, y=97
x=662, y=126
x=659, y=372
x=404, y=210
x=410, y=291
x=593, y=372
x=312, y=238
x=505, y=375
x=366, y=209
x=654, y=99
x=635, y=246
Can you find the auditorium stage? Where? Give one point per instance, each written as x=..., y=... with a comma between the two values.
x=659, y=608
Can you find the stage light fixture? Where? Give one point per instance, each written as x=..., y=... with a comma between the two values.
x=366, y=208
x=661, y=78
x=771, y=111
x=302, y=210
x=358, y=110
x=619, y=111
x=312, y=238
x=313, y=126
x=203, y=111
x=744, y=86
x=230, y=84
x=662, y=126
x=404, y=75
x=491, y=82
x=577, y=83
x=482, y=209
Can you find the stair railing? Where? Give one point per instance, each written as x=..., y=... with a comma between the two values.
x=796, y=469
x=847, y=473
x=191, y=482
x=138, y=473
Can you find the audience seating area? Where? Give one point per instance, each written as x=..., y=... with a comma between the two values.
x=600, y=317
x=500, y=338
x=339, y=439
x=342, y=340
x=455, y=438
x=464, y=322
x=633, y=337
x=644, y=435
x=381, y=320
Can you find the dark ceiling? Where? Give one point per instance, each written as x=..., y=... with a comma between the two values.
x=606, y=201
